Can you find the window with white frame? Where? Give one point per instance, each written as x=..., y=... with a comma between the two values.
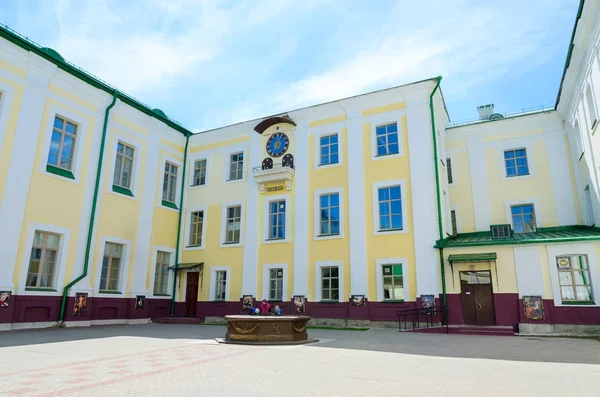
x=449, y=170
x=329, y=210
x=515, y=161
x=170, y=183
x=62, y=144
x=199, y=173
x=591, y=107
x=161, y=273
x=276, y=284
x=196, y=225
x=330, y=283
x=111, y=267
x=393, y=282
x=42, y=262
x=236, y=166
x=387, y=139
x=574, y=278
x=220, y=285
x=123, y=166
x=233, y=224
x=329, y=149
x=523, y=217
x=390, y=208
x=277, y=220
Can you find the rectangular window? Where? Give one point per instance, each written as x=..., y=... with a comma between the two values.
x=220, y=285
x=62, y=145
x=123, y=165
x=196, y=224
x=170, y=183
x=591, y=107
x=277, y=220
x=387, y=139
x=453, y=220
x=523, y=217
x=574, y=278
x=330, y=214
x=390, y=208
x=329, y=149
x=393, y=282
x=516, y=162
x=236, y=166
x=276, y=284
x=330, y=283
x=161, y=275
x=449, y=170
x=111, y=267
x=233, y=224
x=199, y=173
x=42, y=263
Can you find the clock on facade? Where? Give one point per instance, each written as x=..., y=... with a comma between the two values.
x=277, y=144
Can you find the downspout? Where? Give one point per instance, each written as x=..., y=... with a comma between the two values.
x=437, y=191
x=88, y=246
x=185, y=153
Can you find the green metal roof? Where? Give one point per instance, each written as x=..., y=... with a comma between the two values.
x=483, y=257
x=545, y=235
x=53, y=56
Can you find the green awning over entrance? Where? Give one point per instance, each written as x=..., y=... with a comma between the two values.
x=183, y=266
x=483, y=257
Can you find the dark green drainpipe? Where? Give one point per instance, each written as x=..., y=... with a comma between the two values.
x=437, y=191
x=61, y=316
x=187, y=140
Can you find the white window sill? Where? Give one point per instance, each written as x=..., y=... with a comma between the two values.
x=235, y=180
x=276, y=241
x=194, y=248
x=329, y=237
x=325, y=166
x=230, y=245
x=389, y=232
x=197, y=186
x=517, y=177
x=386, y=156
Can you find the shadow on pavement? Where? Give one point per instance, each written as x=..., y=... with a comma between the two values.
x=512, y=348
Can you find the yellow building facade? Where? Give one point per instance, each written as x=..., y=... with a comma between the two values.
x=356, y=212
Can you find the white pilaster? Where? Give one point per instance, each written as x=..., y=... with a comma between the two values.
x=423, y=197
x=561, y=176
x=356, y=205
x=251, y=233
x=528, y=261
x=148, y=196
x=12, y=207
x=301, y=214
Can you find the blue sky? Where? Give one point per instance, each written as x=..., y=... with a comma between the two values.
x=211, y=63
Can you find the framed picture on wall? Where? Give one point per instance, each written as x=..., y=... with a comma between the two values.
x=357, y=300
x=5, y=299
x=299, y=302
x=247, y=302
x=139, y=302
x=533, y=306
x=80, y=306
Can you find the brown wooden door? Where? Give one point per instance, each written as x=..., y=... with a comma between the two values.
x=477, y=298
x=191, y=294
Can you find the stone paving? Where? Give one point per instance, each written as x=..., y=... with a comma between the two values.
x=184, y=360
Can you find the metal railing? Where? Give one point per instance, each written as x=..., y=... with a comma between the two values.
x=272, y=167
x=422, y=317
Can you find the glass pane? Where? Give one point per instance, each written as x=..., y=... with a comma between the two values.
x=509, y=154
x=396, y=221
x=565, y=278
x=333, y=138
x=393, y=148
x=395, y=192
x=384, y=222
x=334, y=158
x=34, y=266
x=397, y=270
x=384, y=194
x=71, y=128
x=393, y=138
x=58, y=123
x=584, y=293
x=324, y=201
x=567, y=293
x=325, y=294
x=380, y=130
x=392, y=127
x=325, y=271
x=52, y=241
x=335, y=283
x=38, y=238
x=335, y=272
x=335, y=294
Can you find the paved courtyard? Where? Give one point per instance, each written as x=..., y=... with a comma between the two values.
x=184, y=360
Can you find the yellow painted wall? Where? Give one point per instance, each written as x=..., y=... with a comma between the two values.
x=460, y=191
x=395, y=245
x=516, y=188
x=47, y=193
x=332, y=249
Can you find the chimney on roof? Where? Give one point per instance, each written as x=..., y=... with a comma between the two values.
x=485, y=111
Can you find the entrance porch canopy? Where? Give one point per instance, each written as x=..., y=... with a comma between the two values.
x=480, y=257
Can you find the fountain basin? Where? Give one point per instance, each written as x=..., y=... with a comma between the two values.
x=266, y=330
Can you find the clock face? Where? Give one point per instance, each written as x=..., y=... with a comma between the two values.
x=277, y=144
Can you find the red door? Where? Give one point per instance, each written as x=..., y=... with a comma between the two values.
x=191, y=294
